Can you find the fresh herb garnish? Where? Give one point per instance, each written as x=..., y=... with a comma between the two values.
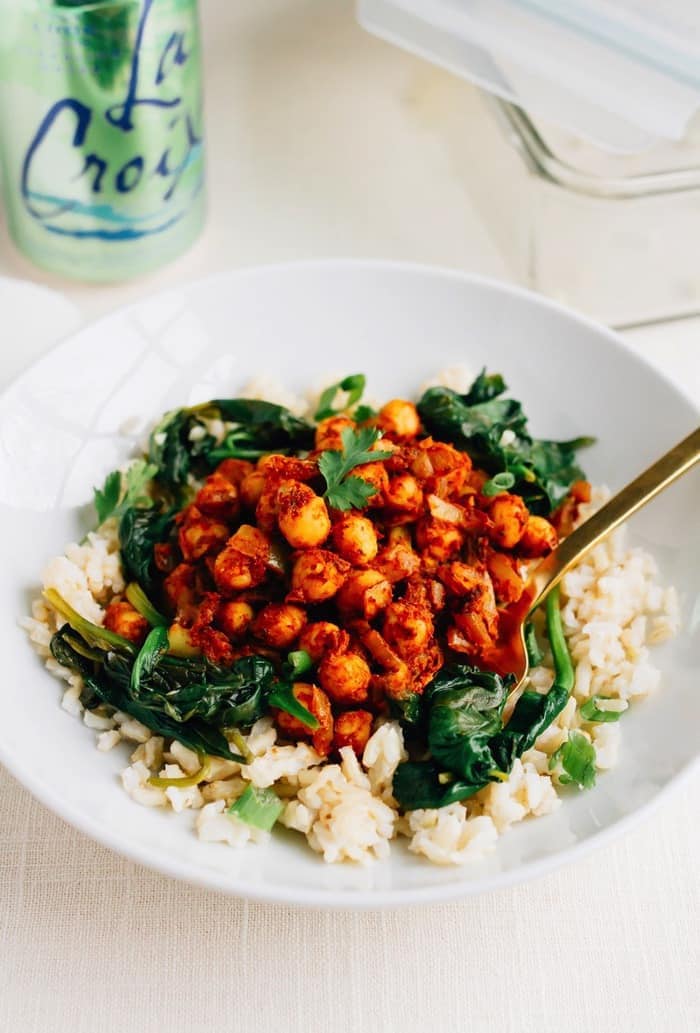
x=354, y=386
x=121, y=491
x=259, y=808
x=494, y=431
x=576, y=758
x=499, y=483
x=283, y=698
x=298, y=662
x=344, y=492
x=596, y=709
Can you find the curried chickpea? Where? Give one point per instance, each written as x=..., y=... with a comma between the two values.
x=218, y=498
x=279, y=624
x=316, y=576
x=235, y=617
x=438, y=538
x=323, y=637
x=179, y=590
x=252, y=487
x=404, y=494
x=399, y=418
x=509, y=516
x=365, y=592
x=408, y=628
x=329, y=430
x=345, y=677
x=317, y=702
x=376, y=475
x=352, y=728
x=538, y=538
x=235, y=470
x=122, y=618
x=355, y=538
x=302, y=515
x=199, y=535
x=242, y=563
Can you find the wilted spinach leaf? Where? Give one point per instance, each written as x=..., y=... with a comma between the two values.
x=139, y=531
x=466, y=708
x=494, y=431
x=418, y=784
x=260, y=427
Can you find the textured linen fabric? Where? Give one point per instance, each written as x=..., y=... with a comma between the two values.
x=93, y=943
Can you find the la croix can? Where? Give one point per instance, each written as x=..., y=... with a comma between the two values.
x=101, y=133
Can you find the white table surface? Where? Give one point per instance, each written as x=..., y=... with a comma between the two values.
x=321, y=143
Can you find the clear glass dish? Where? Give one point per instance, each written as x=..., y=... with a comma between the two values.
x=614, y=235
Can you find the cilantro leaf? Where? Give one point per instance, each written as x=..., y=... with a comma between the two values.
x=343, y=492
x=122, y=491
x=107, y=497
x=577, y=759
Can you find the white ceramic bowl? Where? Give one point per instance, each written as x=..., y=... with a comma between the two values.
x=60, y=432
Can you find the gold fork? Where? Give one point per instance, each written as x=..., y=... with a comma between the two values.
x=575, y=546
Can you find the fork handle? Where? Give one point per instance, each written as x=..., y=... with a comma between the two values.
x=619, y=508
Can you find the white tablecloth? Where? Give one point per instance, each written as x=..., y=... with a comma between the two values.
x=90, y=942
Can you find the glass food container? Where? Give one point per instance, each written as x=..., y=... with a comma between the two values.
x=614, y=235
x=603, y=212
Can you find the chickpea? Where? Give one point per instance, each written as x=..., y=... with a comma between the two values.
x=122, y=618
x=355, y=538
x=316, y=576
x=439, y=539
x=199, y=535
x=365, y=592
x=509, y=516
x=408, y=628
x=242, y=563
x=251, y=488
x=345, y=677
x=235, y=617
x=179, y=590
x=235, y=470
x=376, y=475
x=218, y=498
x=538, y=538
x=399, y=418
x=279, y=624
x=404, y=494
x=266, y=509
x=317, y=702
x=397, y=562
x=328, y=432
x=323, y=637
x=288, y=468
x=302, y=515
x=353, y=729
x=181, y=642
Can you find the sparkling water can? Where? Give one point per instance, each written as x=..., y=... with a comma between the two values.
x=101, y=135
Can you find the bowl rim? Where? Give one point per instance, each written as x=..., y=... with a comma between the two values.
x=320, y=897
